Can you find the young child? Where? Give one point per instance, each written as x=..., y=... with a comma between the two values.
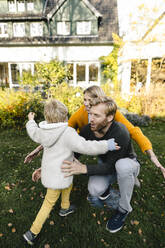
x=59, y=142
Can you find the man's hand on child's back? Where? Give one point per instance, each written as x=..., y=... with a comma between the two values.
x=31, y=116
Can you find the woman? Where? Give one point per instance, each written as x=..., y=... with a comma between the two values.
x=81, y=118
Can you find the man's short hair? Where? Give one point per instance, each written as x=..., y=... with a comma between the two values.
x=55, y=111
x=111, y=106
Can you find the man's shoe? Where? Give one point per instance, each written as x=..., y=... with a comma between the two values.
x=29, y=237
x=116, y=222
x=103, y=198
x=65, y=212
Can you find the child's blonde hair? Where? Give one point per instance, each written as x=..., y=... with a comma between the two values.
x=55, y=111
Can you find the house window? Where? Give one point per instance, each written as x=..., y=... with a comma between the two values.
x=83, y=74
x=3, y=30
x=30, y=5
x=36, y=29
x=21, y=5
x=16, y=71
x=63, y=28
x=93, y=73
x=80, y=72
x=83, y=27
x=19, y=29
x=12, y=5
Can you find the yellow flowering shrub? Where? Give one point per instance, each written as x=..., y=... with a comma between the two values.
x=15, y=105
x=71, y=96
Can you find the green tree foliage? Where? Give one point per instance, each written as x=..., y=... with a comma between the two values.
x=109, y=64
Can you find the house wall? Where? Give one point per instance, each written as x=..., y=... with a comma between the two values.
x=134, y=21
x=71, y=54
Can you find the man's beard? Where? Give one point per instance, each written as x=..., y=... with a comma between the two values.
x=99, y=128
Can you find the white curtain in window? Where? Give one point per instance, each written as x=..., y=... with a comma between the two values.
x=19, y=29
x=36, y=29
x=63, y=28
x=83, y=27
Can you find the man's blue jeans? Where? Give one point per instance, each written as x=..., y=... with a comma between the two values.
x=126, y=172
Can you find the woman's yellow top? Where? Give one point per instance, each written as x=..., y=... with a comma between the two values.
x=80, y=118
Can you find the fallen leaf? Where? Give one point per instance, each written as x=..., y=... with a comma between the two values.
x=11, y=211
x=47, y=246
x=94, y=215
x=7, y=187
x=51, y=222
x=140, y=231
x=32, y=188
x=98, y=222
x=10, y=224
x=13, y=230
x=136, y=222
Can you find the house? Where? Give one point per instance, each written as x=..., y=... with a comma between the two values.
x=75, y=31
x=141, y=26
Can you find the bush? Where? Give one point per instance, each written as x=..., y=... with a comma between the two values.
x=131, y=103
x=71, y=96
x=15, y=105
x=153, y=102
x=143, y=103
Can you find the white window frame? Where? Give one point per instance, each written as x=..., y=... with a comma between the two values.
x=15, y=29
x=4, y=29
x=83, y=27
x=30, y=5
x=36, y=26
x=85, y=83
x=63, y=28
x=21, y=67
x=21, y=6
x=12, y=6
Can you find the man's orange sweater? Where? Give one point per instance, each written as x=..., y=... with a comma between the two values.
x=80, y=118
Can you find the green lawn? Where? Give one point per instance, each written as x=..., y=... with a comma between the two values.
x=20, y=200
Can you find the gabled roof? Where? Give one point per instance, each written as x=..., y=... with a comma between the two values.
x=105, y=10
x=61, y=2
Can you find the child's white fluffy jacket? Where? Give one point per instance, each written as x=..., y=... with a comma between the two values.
x=60, y=142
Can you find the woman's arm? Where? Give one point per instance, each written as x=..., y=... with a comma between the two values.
x=135, y=132
x=79, y=119
x=154, y=160
x=33, y=154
